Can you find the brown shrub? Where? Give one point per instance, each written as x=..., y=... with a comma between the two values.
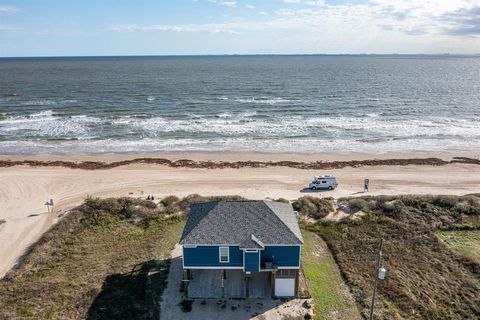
x=170, y=201
x=316, y=208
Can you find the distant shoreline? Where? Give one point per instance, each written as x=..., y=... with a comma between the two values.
x=254, y=55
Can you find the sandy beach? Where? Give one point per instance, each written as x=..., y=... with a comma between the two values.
x=24, y=189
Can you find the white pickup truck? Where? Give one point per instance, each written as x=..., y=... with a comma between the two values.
x=323, y=182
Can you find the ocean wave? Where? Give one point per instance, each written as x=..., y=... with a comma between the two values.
x=248, y=124
x=241, y=131
x=40, y=102
x=47, y=123
x=241, y=115
x=296, y=145
x=263, y=100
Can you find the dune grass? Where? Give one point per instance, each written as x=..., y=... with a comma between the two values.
x=464, y=242
x=330, y=295
x=108, y=259
x=425, y=279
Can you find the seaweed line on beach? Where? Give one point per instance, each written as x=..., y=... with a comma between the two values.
x=185, y=163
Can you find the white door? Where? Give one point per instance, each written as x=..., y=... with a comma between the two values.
x=285, y=287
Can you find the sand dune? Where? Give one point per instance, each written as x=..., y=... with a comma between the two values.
x=24, y=190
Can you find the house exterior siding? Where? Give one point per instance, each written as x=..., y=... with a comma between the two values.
x=282, y=256
x=208, y=256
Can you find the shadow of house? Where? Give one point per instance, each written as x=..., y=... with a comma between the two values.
x=132, y=295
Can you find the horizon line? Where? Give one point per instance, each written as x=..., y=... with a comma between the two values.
x=242, y=54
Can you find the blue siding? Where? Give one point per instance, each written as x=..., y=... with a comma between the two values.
x=252, y=262
x=283, y=256
x=208, y=256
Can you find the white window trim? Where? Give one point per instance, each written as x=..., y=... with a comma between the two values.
x=220, y=254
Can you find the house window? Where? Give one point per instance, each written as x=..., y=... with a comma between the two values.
x=224, y=254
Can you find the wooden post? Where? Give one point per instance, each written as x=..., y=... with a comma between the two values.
x=185, y=283
x=379, y=259
x=273, y=283
x=247, y=286
x=297, y=276
x=223, y=283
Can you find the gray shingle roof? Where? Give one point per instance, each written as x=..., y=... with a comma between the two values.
x=249, y=224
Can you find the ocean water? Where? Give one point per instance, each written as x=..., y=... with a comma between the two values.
x=311, y=104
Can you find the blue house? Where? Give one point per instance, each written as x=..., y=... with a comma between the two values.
x=239, y=249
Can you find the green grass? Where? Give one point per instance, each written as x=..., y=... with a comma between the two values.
x=463, y=242
x=330, y=295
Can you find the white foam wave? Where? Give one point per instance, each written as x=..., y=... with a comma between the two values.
x=235, y=144
x=41, y=102
x=263, y=100
x=247, y=124
x=46, y=123
x=242, y=131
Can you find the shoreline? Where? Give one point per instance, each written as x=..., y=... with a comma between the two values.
x=236, y=160
x=229, y=155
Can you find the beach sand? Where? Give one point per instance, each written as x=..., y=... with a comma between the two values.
x=24, y=189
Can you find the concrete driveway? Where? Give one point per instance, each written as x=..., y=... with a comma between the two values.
x=206, y=284
x=231, y=309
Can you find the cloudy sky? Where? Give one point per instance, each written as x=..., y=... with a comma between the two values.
x=144, y=27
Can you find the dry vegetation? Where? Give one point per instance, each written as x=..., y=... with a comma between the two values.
x=425, y=279
x=312, y=207
x=107, y=259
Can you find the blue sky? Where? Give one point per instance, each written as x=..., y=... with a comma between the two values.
x=146, y=27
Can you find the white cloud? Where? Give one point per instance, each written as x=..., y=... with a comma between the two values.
x=231, y=4
x=315, y=3
x=209, y=28
x=285, y=12
x=411, y=17
x=387, y=25
x=292, y=1
x=8, y=8
x=249, y=6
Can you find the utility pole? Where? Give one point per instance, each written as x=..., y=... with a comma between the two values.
x=379, y=274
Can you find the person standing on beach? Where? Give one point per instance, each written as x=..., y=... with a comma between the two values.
x=365, y=186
